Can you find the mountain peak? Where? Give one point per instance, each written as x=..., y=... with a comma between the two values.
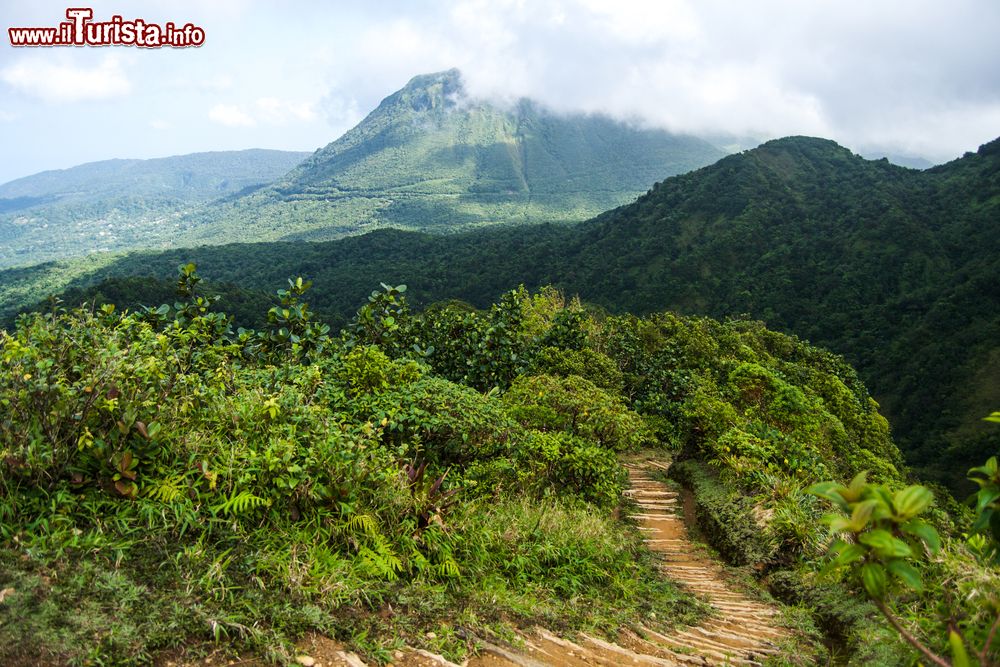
x=431, y=91
x=804, y=145
x=450, y=79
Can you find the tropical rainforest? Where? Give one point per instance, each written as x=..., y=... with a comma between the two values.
x=399, y=416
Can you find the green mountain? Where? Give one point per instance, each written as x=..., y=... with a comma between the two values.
x=893, y=268
x=122, y=204
x=432, y=158
x=429, y=158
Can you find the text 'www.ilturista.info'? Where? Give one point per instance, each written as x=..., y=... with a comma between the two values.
x=81, y=30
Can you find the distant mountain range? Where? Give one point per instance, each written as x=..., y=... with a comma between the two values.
x=894, y=268
x=122, y=204
x=430, y=157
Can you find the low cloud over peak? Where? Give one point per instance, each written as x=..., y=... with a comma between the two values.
x=911, y=77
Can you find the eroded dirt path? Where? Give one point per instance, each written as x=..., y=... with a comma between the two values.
x=741, y=631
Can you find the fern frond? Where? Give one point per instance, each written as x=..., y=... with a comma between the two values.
x=238, y=504
x=364, y=524
x=448, y=569
x=382, y=564
x=419, y=561
x=166, y=490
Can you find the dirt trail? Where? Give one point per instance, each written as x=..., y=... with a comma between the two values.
x=742, y=631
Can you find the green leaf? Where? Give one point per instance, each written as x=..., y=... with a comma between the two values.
x=874, y=579
x=885, y=545
x=959, y=656
x=884, y=502
x=846, y=554
x=850, y=553
x=985, y=496
x=982, y=520
x=994, y=417
x=925, y=532
x=857, y=485
x=861, y=514
x=838, y=523
x=831, y=491
x=906, y=573
x=912, y=500
x=989, y=470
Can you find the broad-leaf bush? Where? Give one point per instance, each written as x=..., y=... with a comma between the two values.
x=887, y=549
x=576, y=405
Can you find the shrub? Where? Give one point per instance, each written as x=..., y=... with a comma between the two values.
x=586, y=363
x=577, y=406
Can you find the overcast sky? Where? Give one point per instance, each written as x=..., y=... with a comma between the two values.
x=909, y=77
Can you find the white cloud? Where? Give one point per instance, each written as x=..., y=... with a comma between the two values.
x=938, y=134
x=7, y=117
x=264, y=111
x=645, y=21
x=278, y=112
x=908, y=76
x=159, y=124
x=850, y=70
x=63, y=81
x=231, y=116
x=341, y=111
x=209, y=84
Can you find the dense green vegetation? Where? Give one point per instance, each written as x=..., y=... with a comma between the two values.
x=250, y=486
x=122, y=204
x=450, y=469
x=891, y=267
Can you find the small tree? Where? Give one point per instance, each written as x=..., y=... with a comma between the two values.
x=292, y=327
x=883, y=546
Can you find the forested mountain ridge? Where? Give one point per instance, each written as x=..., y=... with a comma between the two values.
x=432, y=157
x=122, y=204
x=891, y=267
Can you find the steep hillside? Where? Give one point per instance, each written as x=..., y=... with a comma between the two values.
x=122, y=204
x=894, y=268
x=431, y=157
